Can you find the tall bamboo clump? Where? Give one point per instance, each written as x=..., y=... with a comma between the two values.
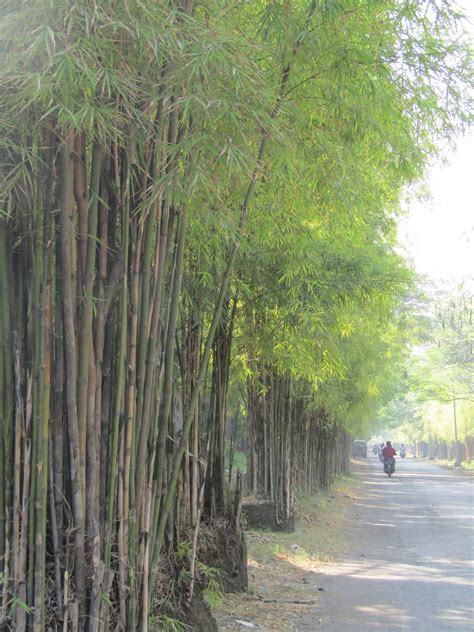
x=290, y=446
x=123, y=125
x=102, y=109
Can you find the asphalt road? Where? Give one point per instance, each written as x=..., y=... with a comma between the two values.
x=410, y=563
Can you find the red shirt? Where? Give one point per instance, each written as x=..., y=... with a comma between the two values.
x=388, y=452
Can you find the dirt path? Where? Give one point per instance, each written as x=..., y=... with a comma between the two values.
x=401, y=553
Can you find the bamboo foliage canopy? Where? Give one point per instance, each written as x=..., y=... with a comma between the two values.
x=179, y=182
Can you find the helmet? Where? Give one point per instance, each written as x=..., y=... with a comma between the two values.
x=389, y=444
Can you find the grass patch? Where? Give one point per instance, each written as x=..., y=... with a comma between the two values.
x=465, y=465
x=319, y=518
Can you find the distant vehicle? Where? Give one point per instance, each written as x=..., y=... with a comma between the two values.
x=359, y=448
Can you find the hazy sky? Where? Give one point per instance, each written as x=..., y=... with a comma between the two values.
x=439, y=232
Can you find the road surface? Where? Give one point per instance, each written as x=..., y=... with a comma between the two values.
x=410, y=564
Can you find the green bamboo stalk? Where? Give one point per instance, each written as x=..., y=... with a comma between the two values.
x=6, y=404
x=8, y=411
x=44, y=251
x=120, y=379
x=130, y=431
x=135, y=250
x=82, y=201
x=17, y=475
x=152, y=387
x=86, y=370
x=55, y=535
x=88, y=280
x=36, y=317
x=144, y=316
x=42, y=464
x=76, y=458
x=20, y=503
x=146, y=325
x=168, y=362
x=100, y=327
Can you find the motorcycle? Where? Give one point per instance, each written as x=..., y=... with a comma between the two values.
x=389, y=465
x=402, y=453
x=375, y=449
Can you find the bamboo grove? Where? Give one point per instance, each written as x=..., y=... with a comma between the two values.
x=197, y=251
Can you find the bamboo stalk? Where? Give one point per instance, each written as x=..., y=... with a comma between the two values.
x=43, y=335
x=85, y=351
x=168, y=362
x=76, y=457
x=55, y=535
x=100, y=329
x=23, y=428
x=6, y=418
x=42, y=461
x=19, y=429
x=192, y=563
x=120, y=378
x=37, y=342
x=128, y=557
x=86, y=377
x=82, y=201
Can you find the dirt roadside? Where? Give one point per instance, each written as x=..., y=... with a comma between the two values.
x=284, y=567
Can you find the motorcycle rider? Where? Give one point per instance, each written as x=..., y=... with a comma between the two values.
x=389, y=452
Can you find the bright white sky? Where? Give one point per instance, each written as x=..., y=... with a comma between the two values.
x=438, y=235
